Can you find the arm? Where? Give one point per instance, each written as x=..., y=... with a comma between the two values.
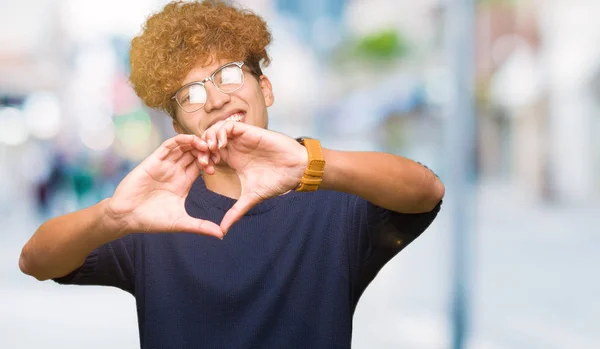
x=149, y=199
x=61, y=245
x=400, y=199
x=386, y=180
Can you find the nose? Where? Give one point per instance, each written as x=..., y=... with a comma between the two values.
x=215, y=99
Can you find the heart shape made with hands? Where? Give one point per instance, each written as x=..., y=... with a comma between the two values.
x=151, y=198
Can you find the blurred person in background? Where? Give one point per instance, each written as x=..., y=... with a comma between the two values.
x=293, y=266
x=46, y=189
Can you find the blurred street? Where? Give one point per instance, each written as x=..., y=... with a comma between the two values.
x=505, y=94
x=534, y=277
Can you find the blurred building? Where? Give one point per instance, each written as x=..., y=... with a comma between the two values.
x=535, y=69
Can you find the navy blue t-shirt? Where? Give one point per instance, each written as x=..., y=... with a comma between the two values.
x=289, y=274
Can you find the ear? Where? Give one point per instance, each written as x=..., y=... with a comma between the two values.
x=267, y=90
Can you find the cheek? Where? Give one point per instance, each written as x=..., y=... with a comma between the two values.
x=259, y=98
x=190, y=124
x=253, y=95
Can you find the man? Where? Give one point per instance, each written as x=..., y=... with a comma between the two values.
x=294, y=261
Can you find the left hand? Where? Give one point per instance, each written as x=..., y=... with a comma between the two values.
x=267, y=163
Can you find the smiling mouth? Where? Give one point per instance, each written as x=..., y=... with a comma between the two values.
x=237, y=117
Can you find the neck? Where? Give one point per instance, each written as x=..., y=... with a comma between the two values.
x=225, y=182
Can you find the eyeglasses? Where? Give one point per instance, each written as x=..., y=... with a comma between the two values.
x=227, y=79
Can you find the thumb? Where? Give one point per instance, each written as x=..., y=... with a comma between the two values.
x=198, y=226
x=239, y=209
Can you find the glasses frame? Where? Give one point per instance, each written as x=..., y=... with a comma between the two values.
x=211, y=79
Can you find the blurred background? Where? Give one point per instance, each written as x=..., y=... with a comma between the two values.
x=501, y=98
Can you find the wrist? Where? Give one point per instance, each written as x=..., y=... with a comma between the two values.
x=112, y=224
x=302, y=163
x=336, y=173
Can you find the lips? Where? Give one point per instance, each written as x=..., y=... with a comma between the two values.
x=236, y=115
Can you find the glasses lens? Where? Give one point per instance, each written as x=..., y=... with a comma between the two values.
x=229, y=78
x=192, y=98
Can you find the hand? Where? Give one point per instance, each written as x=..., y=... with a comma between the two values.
x=267, y=163
x=151, y=198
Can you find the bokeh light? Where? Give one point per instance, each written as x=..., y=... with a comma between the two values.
x=98, y=138
x=13, y=130
x=43, y=115
x=136, y=134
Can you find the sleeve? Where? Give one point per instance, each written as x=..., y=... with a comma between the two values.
x=380, y=234
x=111, y=264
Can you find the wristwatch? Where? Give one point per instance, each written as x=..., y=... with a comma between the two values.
x=313, y=174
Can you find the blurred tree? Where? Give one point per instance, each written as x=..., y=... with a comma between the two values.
x=384, y=45
x=375, y=51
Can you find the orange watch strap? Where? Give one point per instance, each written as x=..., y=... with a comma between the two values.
x=313, y=174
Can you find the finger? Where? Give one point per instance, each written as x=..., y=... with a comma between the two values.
x=204, y=158
x=209, y=168
x=198, y=226
x=200, y=144
x=222, y=137
x=179, y=140
x=210, y=135
x=170, y=144
x=198, y=155
x=213, y=128
x=176, y=154
x=194, y=169
x=210, y=138
x=223, y=155
x=216, y=158
x=231, y=129
x=236, y=129
x=239, y=209
x=186, y=159
x=203, y=161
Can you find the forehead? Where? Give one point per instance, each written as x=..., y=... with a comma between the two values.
x=201, y=70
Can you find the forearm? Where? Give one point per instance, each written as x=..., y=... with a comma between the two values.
x=387, y=180
x=61, y=244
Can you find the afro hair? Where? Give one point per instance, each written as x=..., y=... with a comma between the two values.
x=185, y=33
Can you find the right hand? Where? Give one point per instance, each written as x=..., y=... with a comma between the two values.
x=151, y=197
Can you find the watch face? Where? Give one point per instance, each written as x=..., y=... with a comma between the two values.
x=301, y=139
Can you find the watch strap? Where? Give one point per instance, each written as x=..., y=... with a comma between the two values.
x=315, y=168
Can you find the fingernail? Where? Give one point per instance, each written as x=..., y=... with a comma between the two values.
x=219, y=144
x=210, y=143
x=204, y=159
